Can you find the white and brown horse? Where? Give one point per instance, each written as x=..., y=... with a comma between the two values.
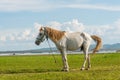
x=69, y=41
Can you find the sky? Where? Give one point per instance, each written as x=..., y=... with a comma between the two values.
x=20, y=20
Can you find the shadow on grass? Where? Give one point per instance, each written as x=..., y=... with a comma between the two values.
x=37, y=71
x=28, y=71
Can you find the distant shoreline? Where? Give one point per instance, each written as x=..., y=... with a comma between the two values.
x=47, y=53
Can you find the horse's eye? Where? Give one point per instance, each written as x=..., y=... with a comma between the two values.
x=40, y=34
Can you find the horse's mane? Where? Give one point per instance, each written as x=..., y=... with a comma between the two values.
x=54, y=34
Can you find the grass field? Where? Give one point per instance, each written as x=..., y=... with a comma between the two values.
x=42, y=67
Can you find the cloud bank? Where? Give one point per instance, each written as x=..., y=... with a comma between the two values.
x=109, y=32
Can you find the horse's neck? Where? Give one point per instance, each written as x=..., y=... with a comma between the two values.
x=54, y=35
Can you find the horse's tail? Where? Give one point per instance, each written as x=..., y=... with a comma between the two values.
x=99, y=43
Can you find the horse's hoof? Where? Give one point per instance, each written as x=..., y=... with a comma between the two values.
x=87, y=69
x=82, y=69
x=66, y=70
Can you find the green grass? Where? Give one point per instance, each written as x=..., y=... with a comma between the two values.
x=42, y=67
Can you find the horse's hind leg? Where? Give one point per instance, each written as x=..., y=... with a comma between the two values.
x=85, y=60
x=89, y=65
x=86, y=55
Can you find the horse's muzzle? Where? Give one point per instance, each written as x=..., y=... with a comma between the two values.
x=37, y=42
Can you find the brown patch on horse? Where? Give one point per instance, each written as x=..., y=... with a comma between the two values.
x=54, y=34
x=99, y=43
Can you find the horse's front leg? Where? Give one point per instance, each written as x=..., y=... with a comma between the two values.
x=64, y=59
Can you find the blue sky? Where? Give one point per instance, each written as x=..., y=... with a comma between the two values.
x=20, y=20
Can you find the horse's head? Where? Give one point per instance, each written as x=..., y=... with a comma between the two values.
x=41, y=36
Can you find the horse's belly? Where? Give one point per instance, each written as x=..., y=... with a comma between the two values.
x=74, y=44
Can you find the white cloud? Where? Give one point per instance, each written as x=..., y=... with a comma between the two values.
x=15, y=35
x=37, y=26
x=46, y=5
x=55, y=24
x=11, y=37
x=74, y=25
x=25, y=35
x=71, y=26
x=2, y=38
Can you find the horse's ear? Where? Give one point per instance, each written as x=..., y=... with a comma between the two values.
x=41, y=29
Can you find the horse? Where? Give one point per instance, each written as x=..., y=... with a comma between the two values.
x=69, y=41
